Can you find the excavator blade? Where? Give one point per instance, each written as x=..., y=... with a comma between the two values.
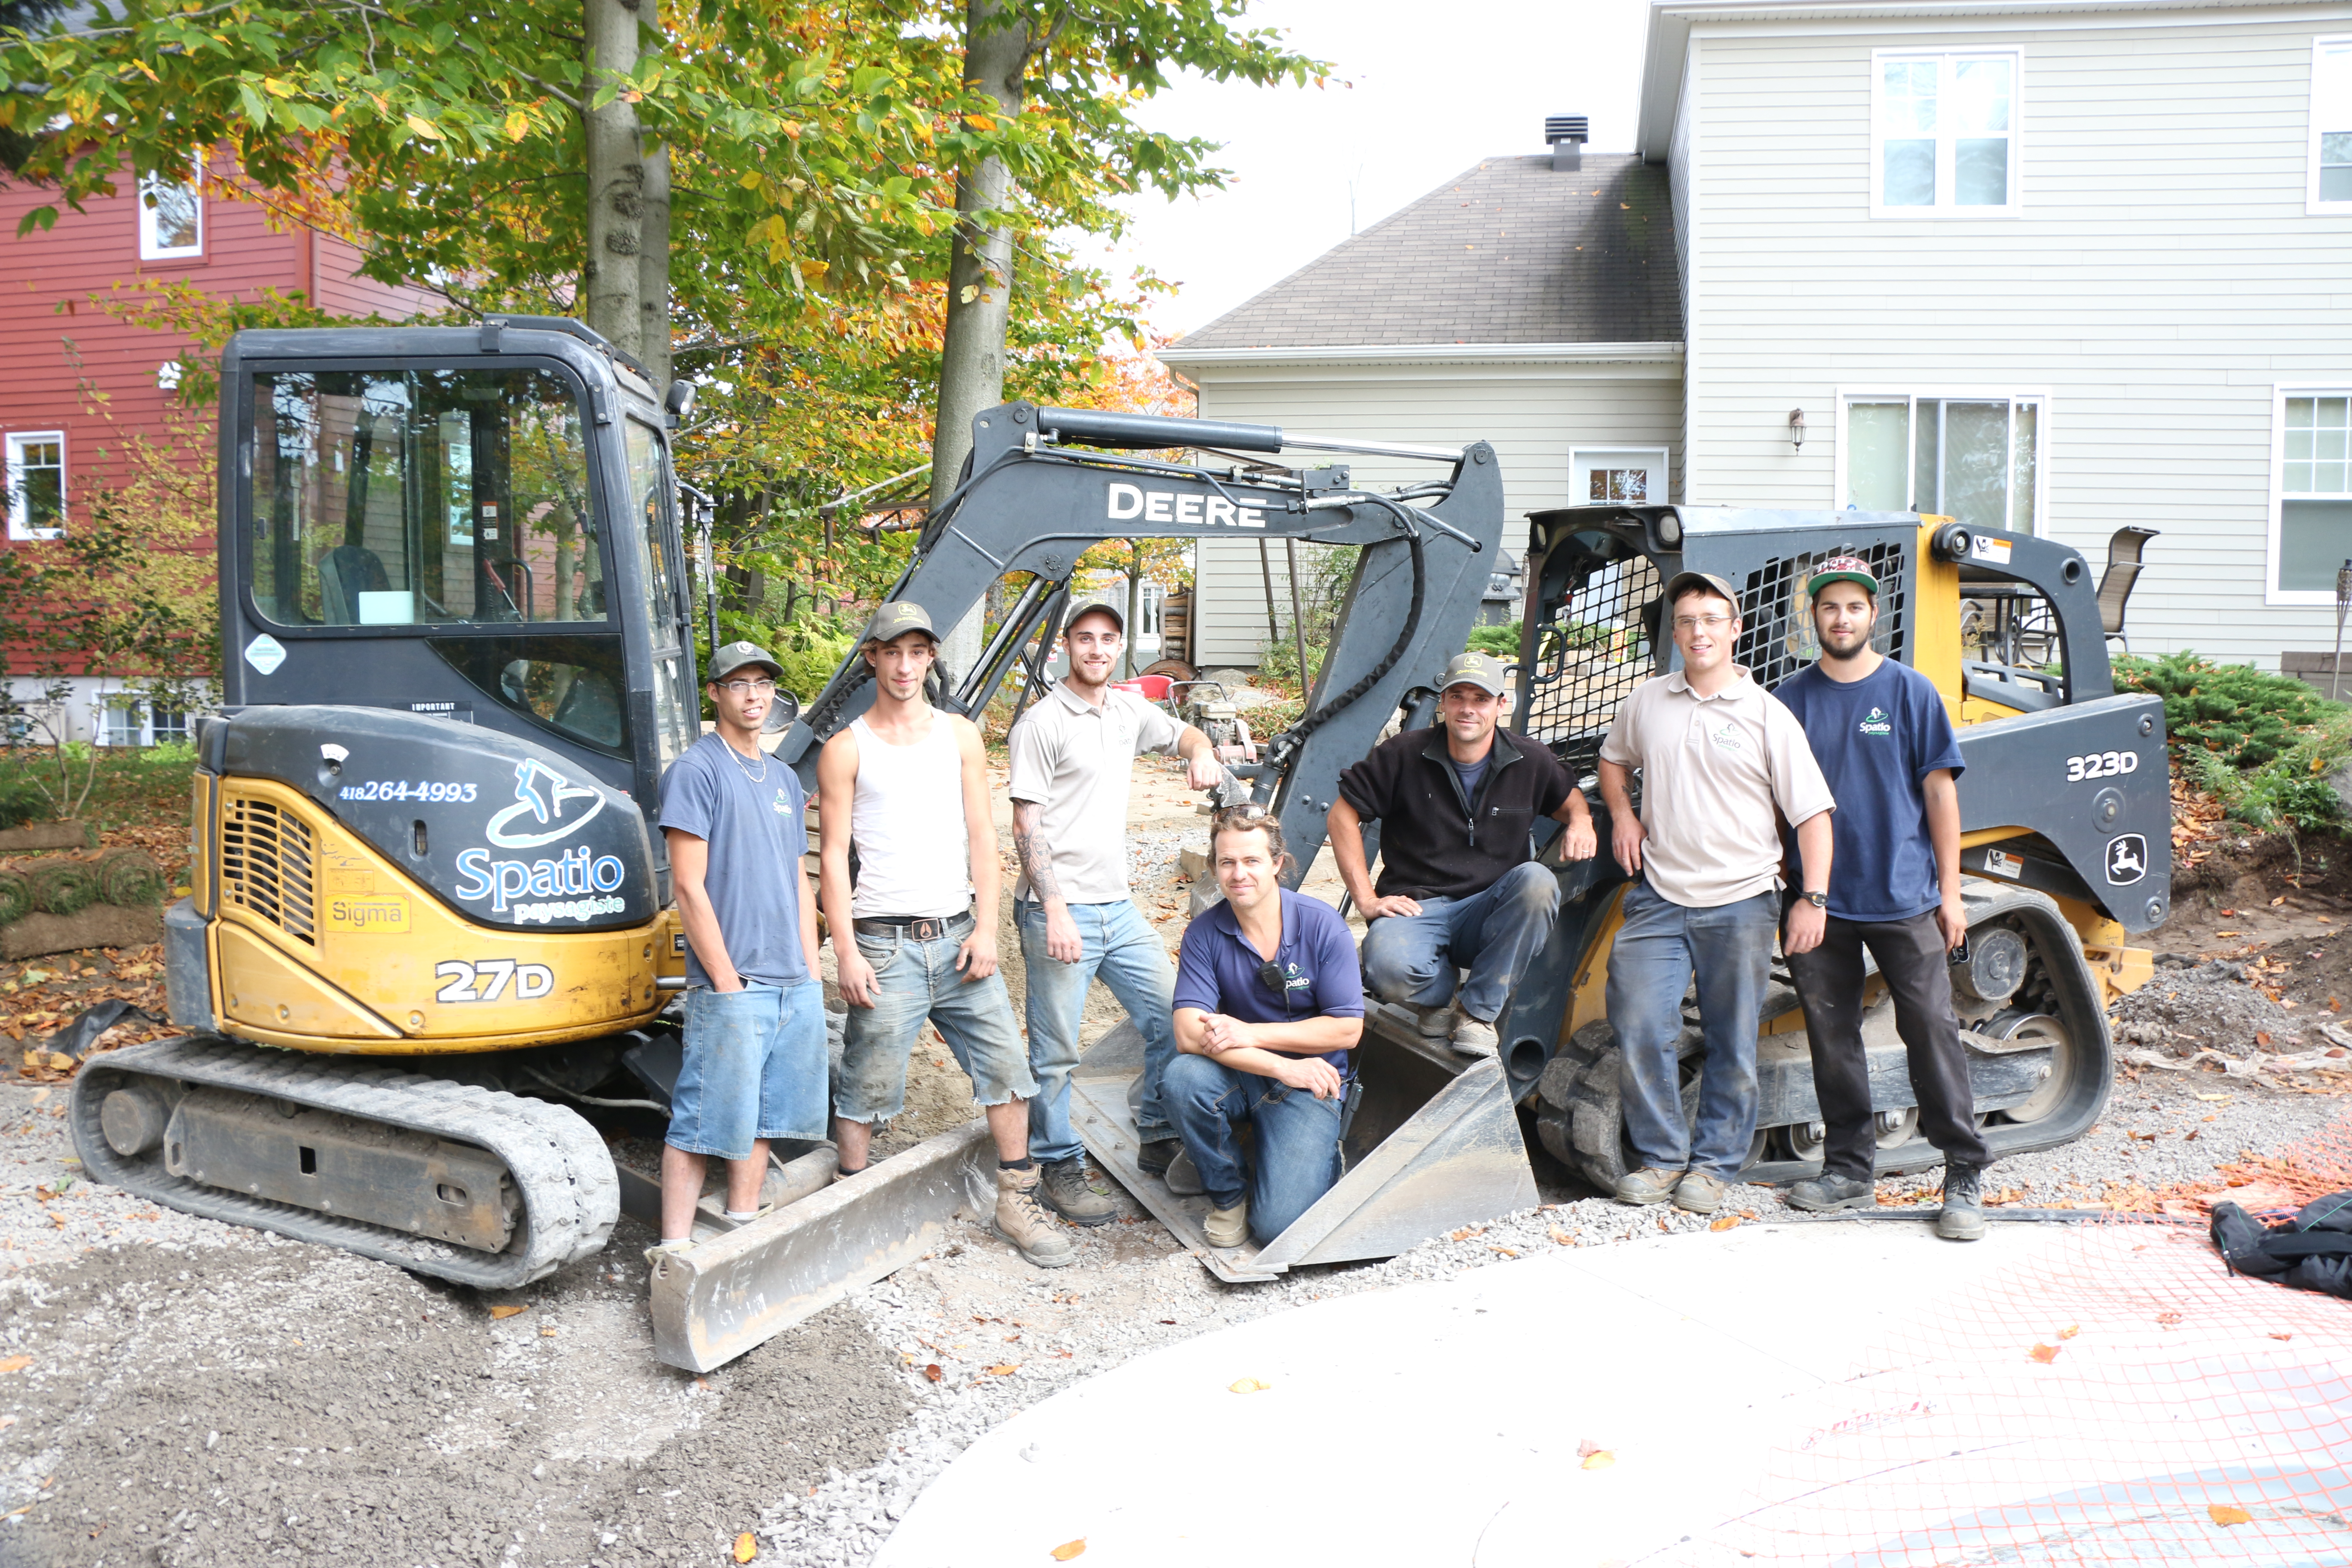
x=740, y=1288
x=1434, y=1145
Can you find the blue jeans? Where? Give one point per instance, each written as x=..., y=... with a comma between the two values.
x=1495, y=935
x=755, y=1068
x=914, y=982
x=1126, y=953
x=1297, y=1154
x=1658, y=948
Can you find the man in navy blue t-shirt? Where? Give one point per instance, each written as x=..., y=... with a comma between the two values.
x=1880, y=733
x=1269, y=1001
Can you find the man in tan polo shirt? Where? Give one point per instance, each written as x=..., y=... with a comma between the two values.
x=1722, y=762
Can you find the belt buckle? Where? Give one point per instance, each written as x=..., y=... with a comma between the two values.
x=926, y=930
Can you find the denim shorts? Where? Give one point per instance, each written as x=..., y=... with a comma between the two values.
x=913, y=981
x=755, y=1068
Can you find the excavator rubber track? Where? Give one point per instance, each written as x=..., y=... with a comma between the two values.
x=562, y=1174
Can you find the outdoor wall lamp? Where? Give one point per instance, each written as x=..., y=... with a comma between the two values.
x=1797, y=428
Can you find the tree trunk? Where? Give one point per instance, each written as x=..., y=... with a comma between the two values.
x=653, y=271
x=1134, y=608
x=616, y=179
x=979, y=280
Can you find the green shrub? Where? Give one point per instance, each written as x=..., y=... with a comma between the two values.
x=2243, y=716
x=169, y=755
x=2291, y=793
x=1278, y=661
x=810, y=654
x=21, y=801
x=1502, y=641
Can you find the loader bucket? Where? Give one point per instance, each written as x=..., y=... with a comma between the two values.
x=1434, y=1144
x=740, y=1286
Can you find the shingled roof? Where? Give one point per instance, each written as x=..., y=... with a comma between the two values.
x=1506, y=252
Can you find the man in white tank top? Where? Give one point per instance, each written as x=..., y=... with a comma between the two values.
x=907, y=787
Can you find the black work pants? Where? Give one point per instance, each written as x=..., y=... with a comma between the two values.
x=1911, y=960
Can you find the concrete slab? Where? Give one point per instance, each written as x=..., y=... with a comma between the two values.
x=1856, y=1393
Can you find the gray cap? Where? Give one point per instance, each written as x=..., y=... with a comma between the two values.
x=1483, y=670
x=727, y=661
x=1685, y=580
x=898, y=618
x=1117, y=616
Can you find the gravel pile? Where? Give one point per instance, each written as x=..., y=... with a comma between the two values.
x=2208, y=1006
x=1151, y=855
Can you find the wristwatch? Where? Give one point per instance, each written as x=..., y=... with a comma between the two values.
x=1819, y=900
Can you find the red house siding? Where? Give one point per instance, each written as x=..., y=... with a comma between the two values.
x=55, y=344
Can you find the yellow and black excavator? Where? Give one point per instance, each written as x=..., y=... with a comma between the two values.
x=430, y=946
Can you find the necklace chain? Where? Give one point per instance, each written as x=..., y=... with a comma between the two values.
x=760, y=777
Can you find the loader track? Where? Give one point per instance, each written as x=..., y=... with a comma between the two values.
x=561, y=1170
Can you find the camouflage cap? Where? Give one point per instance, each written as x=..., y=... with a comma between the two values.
x=898, y=618
x=1842, y=569
x=735, y=655
x=1483, y=670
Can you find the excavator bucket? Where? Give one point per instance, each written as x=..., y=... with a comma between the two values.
x=1434, y=1144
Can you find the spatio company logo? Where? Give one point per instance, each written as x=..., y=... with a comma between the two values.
x=1875, y=723
x=573, y=885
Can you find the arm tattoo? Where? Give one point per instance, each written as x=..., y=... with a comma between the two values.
x=1036, y=855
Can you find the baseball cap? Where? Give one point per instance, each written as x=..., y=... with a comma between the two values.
x=1683, y=581
x=1483, y=670
x=1842, y=569
x=898, y=618
x=1117, y=616
x=727, y=661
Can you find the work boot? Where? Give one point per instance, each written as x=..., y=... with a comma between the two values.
x=1022, y=1221
x=1158, y=1154
x=1066, y=1191
x=1650, y=1185
x=1228, y=1227
x=1699, y=1192
x=1184, y=1177
x=1829, y=1192
x=1963, y=1217
x=1437, y=1023
x=1475, y=1037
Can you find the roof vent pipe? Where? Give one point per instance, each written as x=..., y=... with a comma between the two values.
x=1567, y=134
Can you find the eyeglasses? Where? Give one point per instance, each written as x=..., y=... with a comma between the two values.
x=1693, y=623
x=740, y=686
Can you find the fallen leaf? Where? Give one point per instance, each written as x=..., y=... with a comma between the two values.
x=1504, y=1250
x=2282, y=1336
x=1588, y=1447
x=2277, y=902
x=1069, y=1549
x=2227, y=1514
x=747, y=1546
x=2229, y=933
x=1599, y=1460
x=2261, y=1036
x=1725, y=1223
x=2227, y=912
x=1247, y=1385
x=1169, y=1321
x=2070, y=1330
x=1562, y=1236
x=15, y=1363
x=547, y=1333
x=2045, y=1354
x=1005, y=1369
x=507, y=1312
x=2167, y=1319
x=933, y=1372
x=1466, y=1231
x=2212, y=1096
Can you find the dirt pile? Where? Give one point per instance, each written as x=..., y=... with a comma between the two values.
x=2205, y=1006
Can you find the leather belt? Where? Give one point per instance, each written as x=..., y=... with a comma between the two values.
x=914, y=929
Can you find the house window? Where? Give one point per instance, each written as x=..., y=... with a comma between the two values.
x=1599, y=476
x=2312, y=537
x=166, y=726
x=2331, y=125
x=120, y=723
x=1975, y=459
x=36, y=484
x=1944, y=135
x=171, y=219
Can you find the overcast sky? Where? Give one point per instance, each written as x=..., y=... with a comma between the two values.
x=1419, y=92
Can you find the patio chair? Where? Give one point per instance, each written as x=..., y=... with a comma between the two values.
x=2122, y=571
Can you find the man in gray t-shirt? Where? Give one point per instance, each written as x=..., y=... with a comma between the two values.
x=755, y=1054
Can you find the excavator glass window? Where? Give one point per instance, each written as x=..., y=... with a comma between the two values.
x=421, y=498
x=651, y=534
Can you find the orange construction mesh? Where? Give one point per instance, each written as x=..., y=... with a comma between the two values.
x=2115, y=1396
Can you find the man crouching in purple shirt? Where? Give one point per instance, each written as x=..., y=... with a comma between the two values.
x=1269, y=1001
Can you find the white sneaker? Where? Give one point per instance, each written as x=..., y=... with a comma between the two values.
x=1472, y=1038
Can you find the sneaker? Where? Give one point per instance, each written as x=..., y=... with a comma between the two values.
x=1475, y=1037
x=1437, y=1023
x=1184, y=1177
x=1228, y=1227
x=1699, y=1192
x=1158, y=1154
x=1963, y=1217
x=1022, y=1220
x=1651, y=1185
x=1828, y=1193
x=1063, y=1185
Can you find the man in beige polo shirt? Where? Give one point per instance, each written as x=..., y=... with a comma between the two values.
x=1722, y=762
x=1073, y=753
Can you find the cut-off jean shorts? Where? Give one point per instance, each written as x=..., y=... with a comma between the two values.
x=915, y=982
x=755, y=1068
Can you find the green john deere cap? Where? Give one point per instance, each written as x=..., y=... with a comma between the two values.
x=898, y=618
x=727, y=661
x=1842, y=569
x=1483, y=670
x=1685, y=580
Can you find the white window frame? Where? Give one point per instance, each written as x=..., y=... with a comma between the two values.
x=2311, y=202
x=1945, y=211
x=150, y=245
x=19, y=516
x=2271, y=592
x=1847, y=396
x=1665, y=472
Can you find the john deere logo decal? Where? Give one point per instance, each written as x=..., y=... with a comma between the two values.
x=2127, y=859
